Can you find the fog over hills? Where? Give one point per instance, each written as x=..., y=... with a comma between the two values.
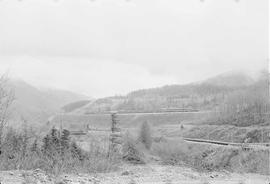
x=232, y=79
x=36, y=105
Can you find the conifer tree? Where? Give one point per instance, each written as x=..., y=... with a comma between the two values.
x=65, y=139
x=34, y=146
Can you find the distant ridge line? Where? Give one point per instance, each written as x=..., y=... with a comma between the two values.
x=147, y=112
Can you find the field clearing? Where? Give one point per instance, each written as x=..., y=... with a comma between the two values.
x=168, y=131
x=75, y=122
x=164, y=125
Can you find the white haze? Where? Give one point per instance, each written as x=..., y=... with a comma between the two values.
x=108, y=47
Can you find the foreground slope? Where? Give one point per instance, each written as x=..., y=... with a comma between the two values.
x=139, y=174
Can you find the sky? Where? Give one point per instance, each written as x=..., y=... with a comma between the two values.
x=111, y=47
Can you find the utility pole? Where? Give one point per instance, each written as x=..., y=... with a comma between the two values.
x=115, y=140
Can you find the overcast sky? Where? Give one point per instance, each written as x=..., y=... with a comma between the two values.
x=108, y=47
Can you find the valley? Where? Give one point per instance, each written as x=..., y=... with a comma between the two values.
x=199, y=133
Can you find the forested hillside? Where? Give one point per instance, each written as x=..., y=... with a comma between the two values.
x=204, y=95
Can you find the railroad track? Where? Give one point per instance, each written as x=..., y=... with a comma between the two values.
x=260, y=146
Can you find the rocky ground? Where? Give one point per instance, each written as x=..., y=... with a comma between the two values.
x=132, y=174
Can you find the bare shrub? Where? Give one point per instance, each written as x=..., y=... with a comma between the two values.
x=133, y=151
x=252, y=161
x=6, y=99
x=172, y=152
x=145, y=135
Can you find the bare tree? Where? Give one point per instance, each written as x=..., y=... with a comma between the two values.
x=6, y=99
x=249, y=105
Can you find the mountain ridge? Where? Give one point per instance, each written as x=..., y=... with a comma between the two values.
x=204, y=94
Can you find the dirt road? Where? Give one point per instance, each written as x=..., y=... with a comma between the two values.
x=140, y=174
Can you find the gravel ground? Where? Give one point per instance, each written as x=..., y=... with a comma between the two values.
x=140, y=174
